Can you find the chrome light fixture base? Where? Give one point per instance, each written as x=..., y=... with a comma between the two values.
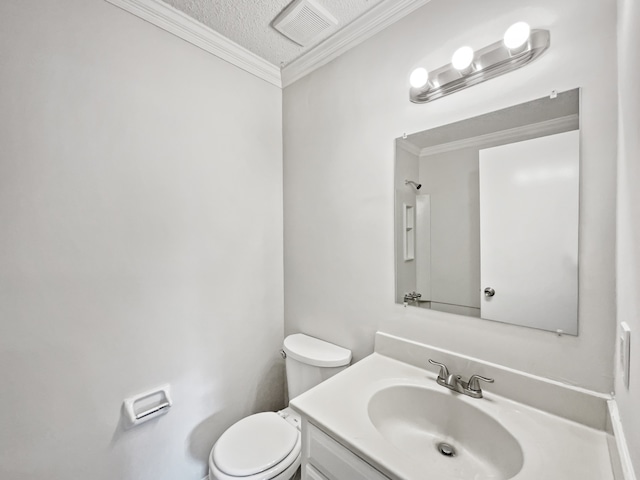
x=489, y=62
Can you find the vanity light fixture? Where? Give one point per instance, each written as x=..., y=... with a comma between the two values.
x=462, y=59
x=516, y=36
x=520, y=46
x=419, y=78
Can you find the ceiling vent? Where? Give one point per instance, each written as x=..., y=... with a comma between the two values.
x=304, y=21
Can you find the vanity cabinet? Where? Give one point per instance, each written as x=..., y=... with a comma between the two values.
x=323, y=458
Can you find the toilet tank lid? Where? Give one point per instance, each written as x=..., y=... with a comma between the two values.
x=315, y=352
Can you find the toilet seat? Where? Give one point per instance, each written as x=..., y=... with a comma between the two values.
x=263, y=446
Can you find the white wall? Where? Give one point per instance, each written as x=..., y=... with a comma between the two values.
x=340, y=123
x=628, y=261
x=141, y=243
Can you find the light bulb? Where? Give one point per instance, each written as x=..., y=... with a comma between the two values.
x=517, y=35
x=462, y=58
x=419, y=77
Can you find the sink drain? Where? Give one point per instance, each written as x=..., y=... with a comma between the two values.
x=446, y=450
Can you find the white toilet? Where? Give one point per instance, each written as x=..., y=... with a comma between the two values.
x=267, y=446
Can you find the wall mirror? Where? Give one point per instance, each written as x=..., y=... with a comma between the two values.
x=486, y=215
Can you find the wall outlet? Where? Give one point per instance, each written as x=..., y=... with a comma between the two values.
x=625, y=352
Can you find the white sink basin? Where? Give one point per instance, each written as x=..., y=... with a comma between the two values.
x=424, y=423
x=393, y=415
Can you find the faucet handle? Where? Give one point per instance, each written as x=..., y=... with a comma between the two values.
x=474, y=384
x=444, y=371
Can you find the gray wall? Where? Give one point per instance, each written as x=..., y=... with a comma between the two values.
x=628, y=273
x=451, y=178
x=141, y=243
x=340, y=125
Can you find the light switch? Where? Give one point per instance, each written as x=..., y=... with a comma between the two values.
x=625, y=352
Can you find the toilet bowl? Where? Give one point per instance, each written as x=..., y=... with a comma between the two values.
x=267, y=445
x=264, y=446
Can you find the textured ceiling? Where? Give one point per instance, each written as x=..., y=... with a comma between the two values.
x=248, y=22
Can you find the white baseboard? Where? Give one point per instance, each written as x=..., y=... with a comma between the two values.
x=620, y=458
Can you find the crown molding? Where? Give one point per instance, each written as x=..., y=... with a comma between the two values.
x=407, y=146
x=546, y=127
x=378, y=18
x=174, y=21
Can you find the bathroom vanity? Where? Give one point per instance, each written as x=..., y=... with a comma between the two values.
x=387, y=418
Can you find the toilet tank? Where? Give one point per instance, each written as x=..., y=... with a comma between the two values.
x=311, y=361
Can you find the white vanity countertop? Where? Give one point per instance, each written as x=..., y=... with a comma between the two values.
x=553, y=448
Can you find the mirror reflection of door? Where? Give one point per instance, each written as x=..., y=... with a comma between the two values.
x=529, y=232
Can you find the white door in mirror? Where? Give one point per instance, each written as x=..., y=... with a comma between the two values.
x=529, y=232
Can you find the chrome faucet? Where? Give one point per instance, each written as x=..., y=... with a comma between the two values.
x=455, y=382
x=412, y=297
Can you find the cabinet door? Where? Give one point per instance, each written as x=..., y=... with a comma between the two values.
x=529, y=232
x=313, y=474
x=334, y=461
